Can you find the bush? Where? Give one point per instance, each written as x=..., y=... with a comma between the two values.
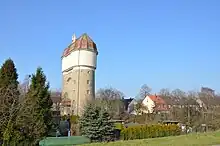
x=149, y=131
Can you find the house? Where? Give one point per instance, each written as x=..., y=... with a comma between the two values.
x=169, y=101
x=155, y=103
x=126, y=103
x=151, y=104
x=131, y=107
x=208, y=91
x=56, y=99
x=208, y=102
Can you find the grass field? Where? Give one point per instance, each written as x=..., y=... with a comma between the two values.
x=205, y=139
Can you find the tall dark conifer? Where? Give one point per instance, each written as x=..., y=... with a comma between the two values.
x=8, y=73
x=9, y=96
x=39, y=95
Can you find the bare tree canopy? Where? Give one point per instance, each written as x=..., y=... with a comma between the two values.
x=164, y=92
x=109, y=93
x=144, y=91
x=178, y=93
x=112, y=100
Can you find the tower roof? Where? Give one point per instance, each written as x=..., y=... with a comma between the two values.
x=84, y=42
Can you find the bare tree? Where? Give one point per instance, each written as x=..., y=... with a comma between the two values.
x=144, y=91
x=11, y=108
x=178, y=93
x=112, y=100
x=164, y=92
x=109, y=93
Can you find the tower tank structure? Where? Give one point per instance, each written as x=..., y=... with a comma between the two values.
x=79, y=61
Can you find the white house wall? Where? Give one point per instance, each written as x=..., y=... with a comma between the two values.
x=149, y=103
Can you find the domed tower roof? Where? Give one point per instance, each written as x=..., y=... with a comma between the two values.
x=84, y=42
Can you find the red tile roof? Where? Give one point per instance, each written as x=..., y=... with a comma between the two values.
x=160, y=103
x=83, y=42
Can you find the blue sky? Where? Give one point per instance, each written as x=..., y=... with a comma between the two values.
x=165, y=44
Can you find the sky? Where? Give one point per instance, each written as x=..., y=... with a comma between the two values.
x=161, y=43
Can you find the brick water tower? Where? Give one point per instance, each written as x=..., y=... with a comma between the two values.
x=78, y=74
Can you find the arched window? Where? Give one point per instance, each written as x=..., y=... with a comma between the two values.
x=66, y=102
x=68, y=79
x=65, y=96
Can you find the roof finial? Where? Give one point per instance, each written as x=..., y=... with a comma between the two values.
x=73, y=38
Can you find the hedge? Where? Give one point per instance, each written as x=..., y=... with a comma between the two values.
x=149, y=131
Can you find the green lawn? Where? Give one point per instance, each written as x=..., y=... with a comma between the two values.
x=205, y=139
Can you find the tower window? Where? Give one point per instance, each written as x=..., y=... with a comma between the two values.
x=74, y=81
x=88, y=91
x=88, y=81
x=74, y=91
x=68, y=79
x=65, y=95
x=88, y=72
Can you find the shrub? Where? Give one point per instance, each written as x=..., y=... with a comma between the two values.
x=149, y=131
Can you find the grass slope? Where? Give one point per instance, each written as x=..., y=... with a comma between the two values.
x=205, y=139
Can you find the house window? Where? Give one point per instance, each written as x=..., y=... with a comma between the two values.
x=88, y=82
x=88, y=91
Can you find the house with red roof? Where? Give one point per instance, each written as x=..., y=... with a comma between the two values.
x=152, y=104
x=155, y=103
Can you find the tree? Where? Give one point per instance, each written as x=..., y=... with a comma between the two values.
x=95, y=123
x=9, y=97
x=177, y=93
x=144, y=91
x=8, y=118
x=107, y=126
x=140, y=108
x=8, y=75
x=90, y=123
x=112, y=100
x=109, y=93
x=39, y=101
x=164, y=92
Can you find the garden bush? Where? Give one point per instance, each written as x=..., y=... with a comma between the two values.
x=149, y=131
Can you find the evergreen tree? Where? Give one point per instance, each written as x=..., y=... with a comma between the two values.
x=95, y=124
x=107, y=126
x=8, y=75
x=9, y=96
x=90, y=123
x=40, y=103
x=8, y=82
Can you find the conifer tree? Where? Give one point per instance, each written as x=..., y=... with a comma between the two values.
x=90, y=123
x=95, y=124
x=41, y=103
x=8, y=74
x=9, y=96
x=107, y=126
